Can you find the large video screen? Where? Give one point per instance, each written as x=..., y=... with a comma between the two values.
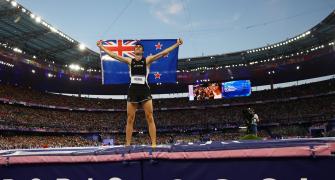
x=210, y=91
x=205, y=91
x=236, y=88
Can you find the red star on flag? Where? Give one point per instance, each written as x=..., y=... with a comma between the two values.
x=158, y=46
x=157, y=75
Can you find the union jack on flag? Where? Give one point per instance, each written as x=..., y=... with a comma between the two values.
x=123, y=48
x=161, y=71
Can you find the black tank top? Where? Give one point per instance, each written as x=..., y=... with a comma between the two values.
x=139, y=68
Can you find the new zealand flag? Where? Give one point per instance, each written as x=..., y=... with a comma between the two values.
x=161, y=71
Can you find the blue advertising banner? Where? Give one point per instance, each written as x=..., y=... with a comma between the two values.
x=242, y=169
x=219, y=169
x=75, y=171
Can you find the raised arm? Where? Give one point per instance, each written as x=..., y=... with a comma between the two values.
x=166, y=51
x=113, y=55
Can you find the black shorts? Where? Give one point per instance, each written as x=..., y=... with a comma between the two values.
x=138, y=93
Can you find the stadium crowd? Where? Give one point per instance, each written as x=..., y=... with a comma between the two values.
x=275, y=112
x=185, y=123
x=28, y=141
x=29, y=95
x=44, y=141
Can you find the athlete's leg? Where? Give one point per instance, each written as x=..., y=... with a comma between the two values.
x=148, y=109
x=131, y=110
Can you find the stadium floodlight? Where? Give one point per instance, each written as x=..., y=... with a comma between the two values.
x=74, y=67
x=17, y=50
x=14, y=3
x=32, y=16
x=298, y=67
x=82, y=46
x=38, y=19
x=44, y=24
x=33, y=71
x=24, y=10
x=53, y=29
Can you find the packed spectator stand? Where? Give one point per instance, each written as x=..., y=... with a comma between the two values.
x=284, y=112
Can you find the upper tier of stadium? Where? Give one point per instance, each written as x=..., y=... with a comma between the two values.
x=24, y=32
x=28, y=33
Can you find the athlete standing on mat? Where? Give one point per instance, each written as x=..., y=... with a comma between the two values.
x=139, y=90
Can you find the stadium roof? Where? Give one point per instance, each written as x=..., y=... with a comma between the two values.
x=24, y=30
x=320, y=34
